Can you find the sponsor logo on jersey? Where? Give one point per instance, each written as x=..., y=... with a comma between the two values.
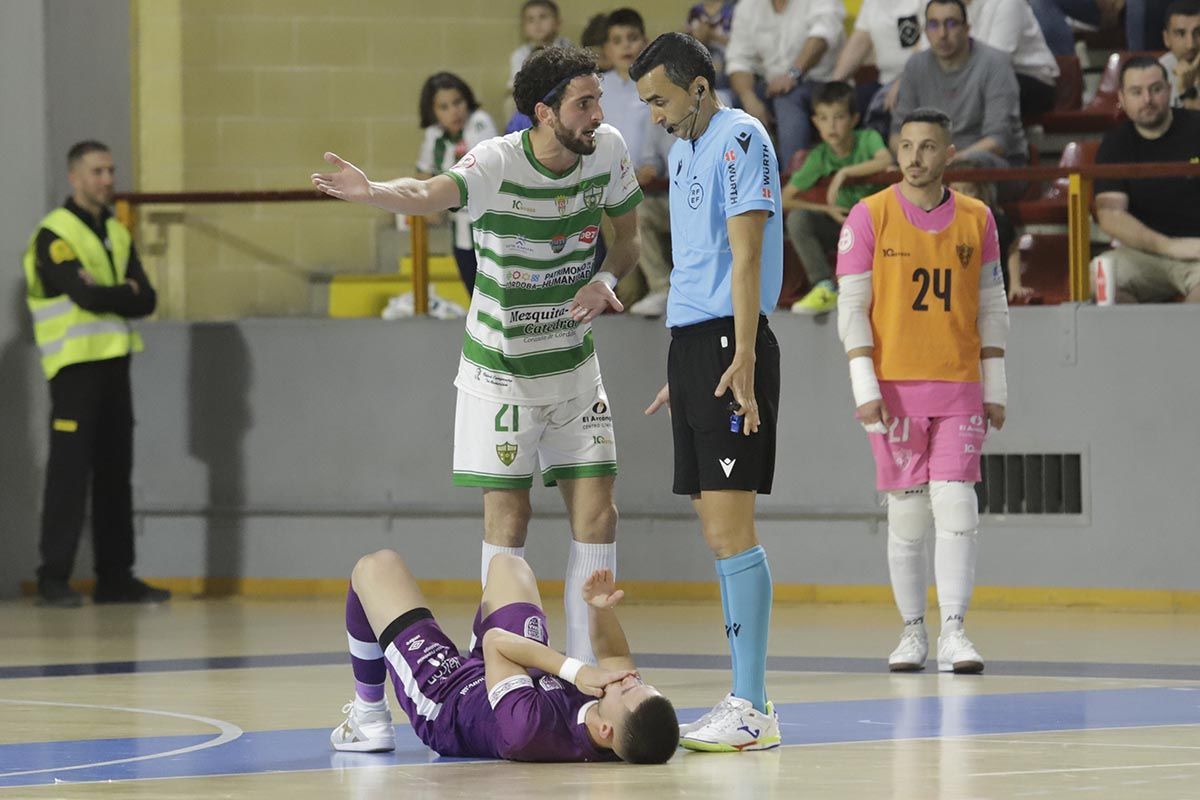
x=549, y=683
x=534, y=629
x=415, y=643
x=558, y=243
x=466, y=162
x=589, y=234
x=888, y=252
x=731, y=174
x=766, y=193
x=743, y=140
x=964, y=253
x=846, y=240
x=507, y=453
x=560, y=202
x=731, y=155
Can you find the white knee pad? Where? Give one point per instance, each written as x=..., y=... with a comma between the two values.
x=910, y=516
x=955, y=506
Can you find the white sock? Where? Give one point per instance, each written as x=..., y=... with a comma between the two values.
x=954, y=568
x=491, y=550
x=908, y=567
x=583, y=561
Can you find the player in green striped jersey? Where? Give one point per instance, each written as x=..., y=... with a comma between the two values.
x=530, y=395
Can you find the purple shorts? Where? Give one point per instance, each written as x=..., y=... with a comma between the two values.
x=443, y=692
x=919, y=449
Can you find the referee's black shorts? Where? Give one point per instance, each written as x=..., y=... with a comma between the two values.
x=708, y=455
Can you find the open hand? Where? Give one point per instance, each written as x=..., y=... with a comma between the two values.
x=592, y=300
x=348, y=183
x=600, y=590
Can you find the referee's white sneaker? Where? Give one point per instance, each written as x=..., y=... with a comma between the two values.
x=956, y=654
x=366, y=729
x=910, y=654
x=717, y=710
x=736, y=727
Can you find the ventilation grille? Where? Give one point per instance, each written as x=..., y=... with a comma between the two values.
x=1031, y=483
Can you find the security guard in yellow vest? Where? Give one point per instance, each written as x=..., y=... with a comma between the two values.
x=84, y=282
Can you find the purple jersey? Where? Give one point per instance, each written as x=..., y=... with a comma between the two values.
x=534, y=717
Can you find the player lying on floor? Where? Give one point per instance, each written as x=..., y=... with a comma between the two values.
x=512, y=697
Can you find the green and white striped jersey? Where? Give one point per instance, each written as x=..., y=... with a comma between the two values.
x=535, y=242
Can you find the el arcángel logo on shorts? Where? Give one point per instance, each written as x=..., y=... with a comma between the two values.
x=507, y=453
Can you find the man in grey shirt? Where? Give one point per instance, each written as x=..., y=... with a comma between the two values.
x=973, y=83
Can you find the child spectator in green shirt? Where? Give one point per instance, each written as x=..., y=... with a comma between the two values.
x=844, y=152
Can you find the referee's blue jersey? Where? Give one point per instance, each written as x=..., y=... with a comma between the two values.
x=729, y=170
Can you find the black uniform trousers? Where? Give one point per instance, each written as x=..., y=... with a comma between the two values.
x=91, y=443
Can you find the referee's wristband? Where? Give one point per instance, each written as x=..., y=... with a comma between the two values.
x=607, y=278
x=569, y=669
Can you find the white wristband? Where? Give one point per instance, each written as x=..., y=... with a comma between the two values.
x=995, y=381
x=863, y=382
x=607, y=278
x=569, y=669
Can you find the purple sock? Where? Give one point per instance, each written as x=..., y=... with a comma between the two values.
x=366, y=657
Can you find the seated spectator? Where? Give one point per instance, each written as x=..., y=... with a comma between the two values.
x=624, y=41
x=454, y=123
x=1182, y=38
x=540, y=22
x=710, y=22
x=778, y=50
x=592, y=38
x=644, y=290
x=1052, y=17
x=1155, y=220
x=1010, y=254
x=1010, y=26
x=844, y=152
x=971, y=82
x=890, y=31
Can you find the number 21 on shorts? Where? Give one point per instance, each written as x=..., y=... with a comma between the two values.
x=898, y=430
x=514, y=419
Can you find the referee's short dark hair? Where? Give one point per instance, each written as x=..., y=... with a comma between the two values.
x=81, y=149
x=545, y=75
x=682, y=56
x=961, y=6
x=931, y=116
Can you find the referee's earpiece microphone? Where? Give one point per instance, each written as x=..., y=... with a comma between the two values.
x=692, y=113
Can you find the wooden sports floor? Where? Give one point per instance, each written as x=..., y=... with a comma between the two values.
x=235, y=698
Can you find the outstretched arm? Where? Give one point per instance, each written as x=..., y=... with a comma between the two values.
x=399, y=196
x=608, y=637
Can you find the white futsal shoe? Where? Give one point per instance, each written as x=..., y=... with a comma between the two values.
x=365, y=730
x=910, y=654
x=735, y=726
x=718, y=709
x=956, y=654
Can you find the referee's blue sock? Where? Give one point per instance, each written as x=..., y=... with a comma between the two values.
x=746, y=599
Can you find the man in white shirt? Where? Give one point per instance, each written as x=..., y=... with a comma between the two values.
x=777, y=50
x=887, y=32
x=1011, y=27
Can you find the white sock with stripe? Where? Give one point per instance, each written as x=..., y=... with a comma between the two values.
x=584, y=560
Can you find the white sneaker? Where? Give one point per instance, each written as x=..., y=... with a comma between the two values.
x=910, y=654
x=957, y=654
x=652, y=305
x=399, y=307
x=719, y=708
x=365, y=730
x=738, y=727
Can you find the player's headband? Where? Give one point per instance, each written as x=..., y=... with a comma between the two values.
x=554, y=94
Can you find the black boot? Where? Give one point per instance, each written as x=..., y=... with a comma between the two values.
x=128, y=590
x=54, y=593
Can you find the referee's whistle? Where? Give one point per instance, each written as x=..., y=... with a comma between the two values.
x=735, y=419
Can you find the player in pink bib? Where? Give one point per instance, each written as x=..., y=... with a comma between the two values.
x=924, y=318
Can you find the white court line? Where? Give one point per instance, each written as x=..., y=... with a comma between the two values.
x=1080, y=769
x=1099, y=744
x=228, y=730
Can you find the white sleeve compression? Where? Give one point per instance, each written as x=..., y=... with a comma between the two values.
x=854, y=311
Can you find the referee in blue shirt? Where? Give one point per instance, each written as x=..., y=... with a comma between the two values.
x=723, y=369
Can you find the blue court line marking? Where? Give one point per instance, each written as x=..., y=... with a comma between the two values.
x=1048, y=669
x=804, y=724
